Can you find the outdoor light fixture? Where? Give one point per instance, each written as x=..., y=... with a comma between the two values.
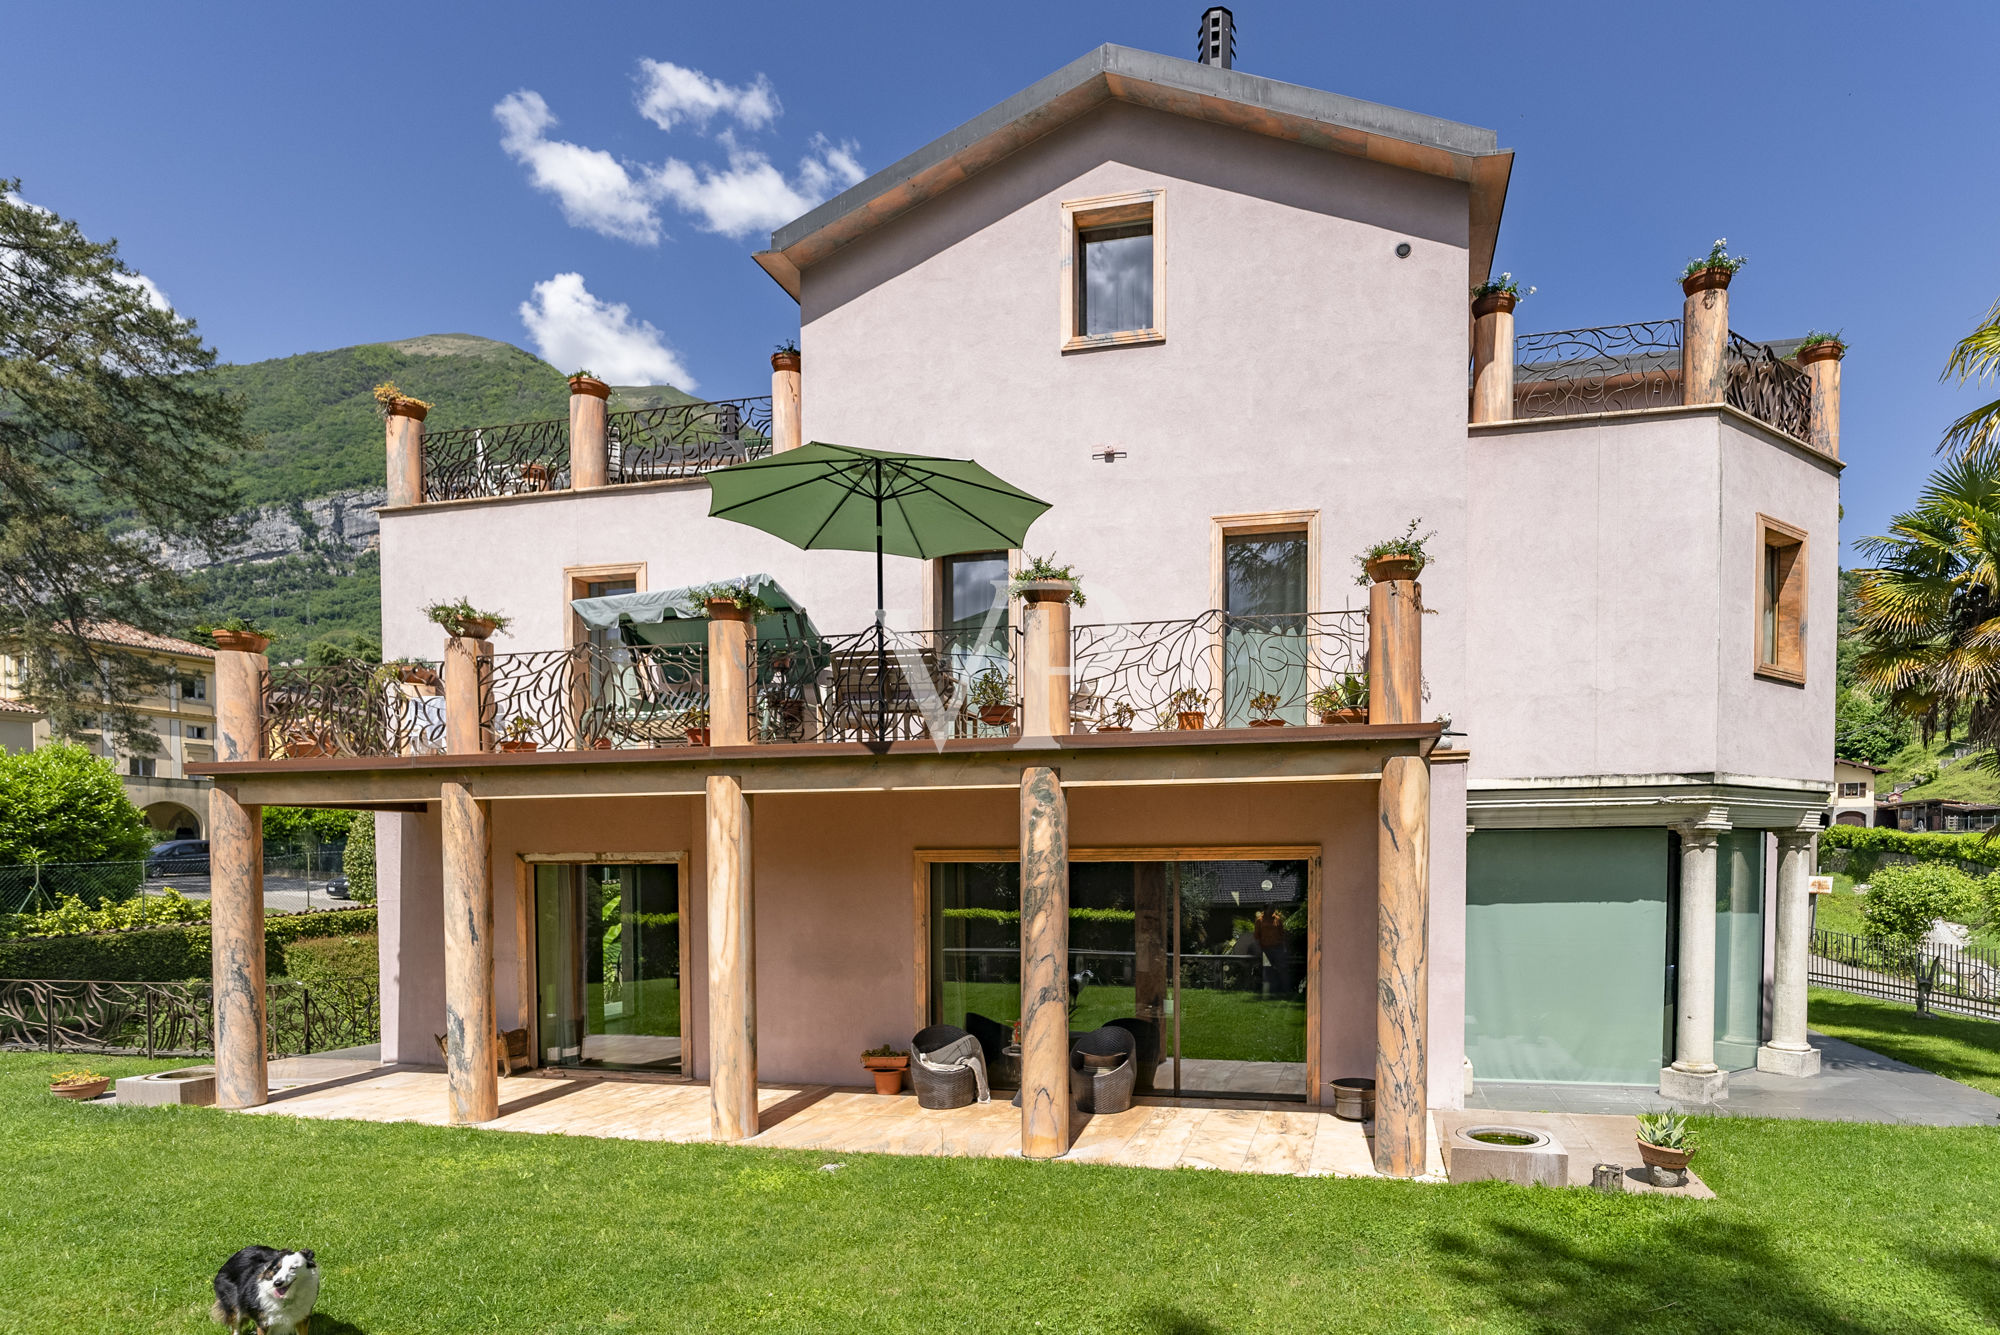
x=1402, y=250
x=1109, y=455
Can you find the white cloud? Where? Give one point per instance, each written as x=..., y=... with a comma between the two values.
x=147, y=288
x=751, y=195
x=593, y=187
x=574, y=330
x=670, y=93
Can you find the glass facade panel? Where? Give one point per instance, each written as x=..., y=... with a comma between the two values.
x=607, y=954
x=1264, y=582
x=1739, y=948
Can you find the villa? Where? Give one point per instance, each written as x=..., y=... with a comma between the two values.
x=1544, y=814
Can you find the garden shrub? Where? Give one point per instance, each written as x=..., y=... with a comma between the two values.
x=357, y=860
x=318, y=959
x=1864, y=848
x=1902, y=902
x=165, y=954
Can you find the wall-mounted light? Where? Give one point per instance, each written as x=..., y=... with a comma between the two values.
x=1108, y=455
x=1402, y=250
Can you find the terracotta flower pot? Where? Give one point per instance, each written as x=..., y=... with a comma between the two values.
x=1192, y=720
x=721, y=609
x=1267, y=723
x=1494, y=302
x=510, y=744
x=784, y=361
x=82, y=1089
x=241, y=641
x=408, y=408
x=601, y=744
x=1334, y=716
x=300, y=748
x=1821, y=352
x=417, y=676
x=1707, y=280
x=697, y=736
x=476, y=628
x=888, y=1073
x=1114, y=727
x=591, y=385
x=1659, y=1156
x=1382, y=569
x=1047, y=590
x=997, y=716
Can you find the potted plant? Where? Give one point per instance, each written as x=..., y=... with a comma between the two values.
x=695, y=721
x=1266, y=703
x=395, y=403
x=731, y=600
x=1042, y=580
x=1189, y=708
x=462, y=620
x=1497, y=294
x=786, y=358
x=1713, y=270
x=1665, y=1145
x=586, y=382
x=1400, y=557
x=1344, y=701
x=1120, y=715
x=412, y=672
x=78, y=1084
x=993, y=696
x=1819, y=346
x=519, y=734
x=887, y=1064
x=239, y=636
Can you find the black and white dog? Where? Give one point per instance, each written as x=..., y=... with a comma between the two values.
x=272, y=1290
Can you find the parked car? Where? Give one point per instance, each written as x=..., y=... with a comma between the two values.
x=178, y=857
x=337, y=888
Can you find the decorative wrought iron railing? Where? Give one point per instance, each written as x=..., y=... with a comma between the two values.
x=496, y=460
x=1613, y=369
x=177, y=1019
x=1767, y=387
x=876, y=686
x=354, y=709
x=1933, y=977
x=598, y=697
x=687, y=439
x=1219, y=670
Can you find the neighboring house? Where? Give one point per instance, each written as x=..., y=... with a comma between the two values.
x=1936, y=816
x=17, y=727
x=1221, y=324
x=181, y=713
x=1853, y=793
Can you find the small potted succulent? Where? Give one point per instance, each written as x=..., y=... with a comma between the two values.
x=394, y=402
x=1266, y=703
x=586, y=382
x=1042, y=580
x=238, y=636
x=1713, y=270
x=1189, y=708
x=1819, y=346
x=519, y=735
x=1665, y=1146
x=731, y=600
x=1118, y=715
x=786, y=358
x=695, y=721
x=1400, y=557
x=1344, y=701
x=461, y=620
x=993, y=696
x=1497, y=294
x=85, y=1084
x=887, y=1065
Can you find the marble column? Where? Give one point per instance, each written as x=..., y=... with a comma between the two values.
x=732, y=964
x=1789, y=1052
x=1694, y=1077
x=1402, y=966
x=589, y=448
x=1045, y=1101
x=405, y=442
x=236, y=880
x=1045, y=649
x=1705, y=337
x=1395, y=651
x=732, y=654
x=468, y=703
x=1822, y=365
x=786, y=422
x=1493, y=358
x=471, y=1071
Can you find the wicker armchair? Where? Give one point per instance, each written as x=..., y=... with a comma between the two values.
x=1147, y=1035
x=1098, y=1089
x=938, y=1090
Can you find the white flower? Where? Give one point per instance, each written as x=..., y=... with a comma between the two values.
x=1531, y=291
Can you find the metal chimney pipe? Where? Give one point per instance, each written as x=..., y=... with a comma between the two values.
x=1216, y=42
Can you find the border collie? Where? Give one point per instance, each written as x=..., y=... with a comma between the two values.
x=272, y=1290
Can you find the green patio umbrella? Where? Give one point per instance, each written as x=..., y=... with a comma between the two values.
x=848, y=499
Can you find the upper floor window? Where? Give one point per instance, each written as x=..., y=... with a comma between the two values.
x=194, y=688
x=1117, y=254
x=1854, y=790
x=1781, y=601
x=195, y=732
x=141, y=767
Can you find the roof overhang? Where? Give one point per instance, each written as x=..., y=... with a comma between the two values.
x=1290, y=112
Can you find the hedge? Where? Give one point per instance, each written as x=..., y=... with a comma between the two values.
x=1865, y=846
x=164, y=954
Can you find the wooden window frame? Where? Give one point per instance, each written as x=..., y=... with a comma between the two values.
x=576, y=583
x=1788, y=663
x=1080, y=215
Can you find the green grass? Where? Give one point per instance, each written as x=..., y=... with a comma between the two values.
x=1841, y=910
x=115, y=1219
x=1962, y=1049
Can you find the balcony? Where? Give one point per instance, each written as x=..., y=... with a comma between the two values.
x=1622, y=368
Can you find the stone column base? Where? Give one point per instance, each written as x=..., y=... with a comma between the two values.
x=1788, y=1061
x=1693, y=1086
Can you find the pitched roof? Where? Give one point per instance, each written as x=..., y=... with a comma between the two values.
x=1285, y=111
x=131, y=637
x=16, y=707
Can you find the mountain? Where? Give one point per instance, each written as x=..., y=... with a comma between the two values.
x=306, y=568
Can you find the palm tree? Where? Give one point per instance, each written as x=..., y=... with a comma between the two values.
x=1977, y=357
x=1929, y=610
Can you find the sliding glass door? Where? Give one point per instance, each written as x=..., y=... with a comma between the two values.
x=608, y=965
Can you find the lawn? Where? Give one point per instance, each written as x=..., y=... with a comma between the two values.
x=1965, y=1050
x=114, y=1219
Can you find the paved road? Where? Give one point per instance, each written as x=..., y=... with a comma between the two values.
x=282, y=894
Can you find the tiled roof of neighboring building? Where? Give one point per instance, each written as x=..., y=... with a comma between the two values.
x=16, y=707
x=131, y=637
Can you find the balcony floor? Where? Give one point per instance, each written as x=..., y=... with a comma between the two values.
x=1244, y=1136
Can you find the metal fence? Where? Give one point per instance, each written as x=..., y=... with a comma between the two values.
x=1611, y=369
x=1770, y=389
x=1219, y=670
x=686, y=439
x=881, y=685
x=509, y=460
x=597, y=697
x=177, y=1019
x=1946, y=978
x=355, y=709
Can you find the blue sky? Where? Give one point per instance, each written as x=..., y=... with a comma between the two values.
x=304, y=177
